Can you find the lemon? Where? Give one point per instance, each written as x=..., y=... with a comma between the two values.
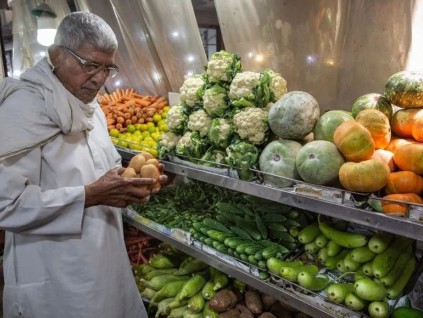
x=145, y=134
x=150, y=124
x=157, y=118
x=166, y=109
x=115, y=141
x=163, y=128
x=122, y=143
x=136, y=133
x=154, y=152
x=143, y=127
x=114, y=132
x=130, y=128
x=156, y=136
x=152, y=129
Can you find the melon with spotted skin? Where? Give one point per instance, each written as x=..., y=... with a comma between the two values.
x=294, y=115
x=372, y=101
x=405, y=89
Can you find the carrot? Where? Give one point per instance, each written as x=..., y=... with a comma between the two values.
x=136, y=95
x=141, y=102
x=110, y=121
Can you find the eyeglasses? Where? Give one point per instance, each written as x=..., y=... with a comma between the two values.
x=93, y=68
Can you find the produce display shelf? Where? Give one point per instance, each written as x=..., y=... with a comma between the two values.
x=309, y=306
x=397, y=225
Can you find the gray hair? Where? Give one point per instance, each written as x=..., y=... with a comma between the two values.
x=80, y=28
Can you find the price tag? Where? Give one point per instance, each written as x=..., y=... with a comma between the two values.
x=181, y=236
x=416, y=213
x=319, y=193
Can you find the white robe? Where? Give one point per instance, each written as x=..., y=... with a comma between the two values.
x=62, y=260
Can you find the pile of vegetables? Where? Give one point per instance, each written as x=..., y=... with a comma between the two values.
x=371, y=269
x=140, y=246
x=134, y=120
x=245, y=227
x=222, y=117
x=176, y=285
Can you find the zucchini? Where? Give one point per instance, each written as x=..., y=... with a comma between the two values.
x=369, y=290
x=322, y=255
x=350, y=265
x=368, y=269
x=378, y=309
x=311, y=248
x=333, y=248
x=321, y=241
x=291, y=273
x=332, y=261
x=313, y=282
x=362, y=254
x=354, y=302
x=275, y=265
x=380, y=242
x=402, y=312
x=336, y=292
x=390, y=278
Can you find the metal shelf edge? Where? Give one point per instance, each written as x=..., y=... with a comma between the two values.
x=395, y=225
x=279, y=293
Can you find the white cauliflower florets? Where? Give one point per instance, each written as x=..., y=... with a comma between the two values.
x=222, y=66
x=277, y=85
x=199, y=121
x=251, y=124
x=176, y=119
x=214, y=100
x=192, y=90
x=242, y=85
x=169, y=140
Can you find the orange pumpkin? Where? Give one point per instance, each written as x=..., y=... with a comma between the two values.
x=397, y=142
x=402, y=121
x=404, y=182
x=365, y=176
x=378, y=125
x=410, y=157
x=398, y=208
x=387, y=157
x=354, y=141
x=417, y=129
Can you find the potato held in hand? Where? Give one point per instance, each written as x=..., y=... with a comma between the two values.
x=144, y=165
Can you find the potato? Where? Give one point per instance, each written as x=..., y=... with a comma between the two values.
x=147, y=155
x=267, y=315
x=232, y=313
x=137, y=162
x=129, y=173
x=253, y=302
x=223, y=300
x=245, y=312
x=154, y=162
x=268, y=301
x=150, y=171
x=279, y=311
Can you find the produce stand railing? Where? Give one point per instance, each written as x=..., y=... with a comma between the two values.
x=313, y=306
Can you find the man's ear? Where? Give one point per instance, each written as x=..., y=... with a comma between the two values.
x=54, y=52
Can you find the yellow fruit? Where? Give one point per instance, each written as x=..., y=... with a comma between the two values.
x=150, y=124
x=156, y=136
x=114, y=132
x=122, y=143
x=130, y=128
x=163, y=128
x=157, y=118
x=145, y=134
x=152, y=129
x=143, y=127
x=166, y=109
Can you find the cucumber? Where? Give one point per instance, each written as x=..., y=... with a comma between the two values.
x=262, y=264
x=241, y=247
x=312, y=282
x=380, y=242
x=215, y=225
x=402, y=312
x=362, y=254
x=368, y=269
x=369, y=290
x=223, y=219
x=333, y=248
x=397, y=288
x=233, y=242
x=390, y=278
x=252, y=260
x=321, y=241
x=274, y=265
x=273, y=218
x=253, y=248
x=309, y=233
x=354, y=302
x=240, y=232
x=291, y=273
x=384, y=261
x=345, y=239
x=270, y=251
x=225, y=207
x=278, y=227
x=260, y=225
x=218, y=236
x=336, y=292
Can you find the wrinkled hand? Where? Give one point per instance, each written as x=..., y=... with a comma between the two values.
x=113, y=190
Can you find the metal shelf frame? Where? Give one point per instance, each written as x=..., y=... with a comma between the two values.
x=396, y=225
x=283, y=295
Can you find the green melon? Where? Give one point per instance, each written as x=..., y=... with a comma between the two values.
x=278, y=158
x=294, y=115
x=405, y=89
x=328, y=122
x=372, y=100
x=319, y=162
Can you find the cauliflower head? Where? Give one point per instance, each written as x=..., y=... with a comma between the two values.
x=251, y=124
x=215, y=100
x=223, y=66
x=191, y=145
x=243, y=85
x=167, y=143
x=221, y=132
x=177, y=119
x=192, y=90
x=277, y=86
x=199, y=121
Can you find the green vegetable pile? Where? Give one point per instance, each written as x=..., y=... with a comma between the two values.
x=245, y=227
x=222, y=112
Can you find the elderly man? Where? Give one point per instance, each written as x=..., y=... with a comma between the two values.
x=61, y=189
